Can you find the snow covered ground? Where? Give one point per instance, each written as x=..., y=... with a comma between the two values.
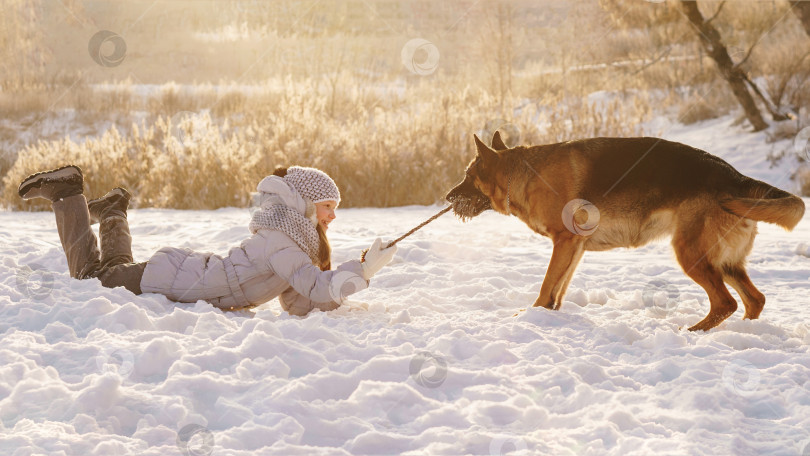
x=429, y=360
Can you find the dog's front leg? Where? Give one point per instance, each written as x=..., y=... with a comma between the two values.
x=568, y=249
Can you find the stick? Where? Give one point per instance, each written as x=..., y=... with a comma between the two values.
x=439, y=214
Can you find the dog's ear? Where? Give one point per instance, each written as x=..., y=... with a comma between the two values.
x=497, y=142
x=483, y=150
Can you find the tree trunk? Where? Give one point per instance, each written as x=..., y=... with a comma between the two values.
x=713, y=45
x=802, y=10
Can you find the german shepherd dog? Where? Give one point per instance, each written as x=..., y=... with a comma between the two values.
x=603, y=193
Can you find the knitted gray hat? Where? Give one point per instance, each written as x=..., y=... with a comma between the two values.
x=313, y=184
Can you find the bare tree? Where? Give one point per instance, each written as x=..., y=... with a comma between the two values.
x=714, y=47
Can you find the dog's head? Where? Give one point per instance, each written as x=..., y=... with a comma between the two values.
x=472, y=196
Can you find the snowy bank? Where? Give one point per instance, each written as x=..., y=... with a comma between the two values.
x=429, y=360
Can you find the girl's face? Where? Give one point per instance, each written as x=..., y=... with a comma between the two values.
x=325, y=212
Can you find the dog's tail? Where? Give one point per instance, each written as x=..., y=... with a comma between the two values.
x=765, y=203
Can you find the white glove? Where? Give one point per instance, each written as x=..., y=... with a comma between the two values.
x=376, y=258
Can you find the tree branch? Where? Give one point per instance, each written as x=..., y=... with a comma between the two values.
x=716, y=13
x=747, y=54
x=776, y=115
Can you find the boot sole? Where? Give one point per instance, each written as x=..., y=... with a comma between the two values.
x=34, y=181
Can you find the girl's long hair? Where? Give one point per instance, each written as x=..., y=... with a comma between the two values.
x=324, y=248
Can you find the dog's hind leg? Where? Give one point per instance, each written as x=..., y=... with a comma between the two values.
x=721, y=302
x=752, y=298
x=738, y=242
x=568, y=249
x=694, y=253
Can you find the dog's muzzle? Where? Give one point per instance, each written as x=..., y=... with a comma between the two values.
x=467, y=200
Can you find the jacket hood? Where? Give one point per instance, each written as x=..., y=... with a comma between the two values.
x=275, y=190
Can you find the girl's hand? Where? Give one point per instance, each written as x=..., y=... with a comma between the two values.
x=376, y=257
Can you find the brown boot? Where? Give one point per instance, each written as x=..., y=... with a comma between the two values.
x=53, y=185
x=115, y=202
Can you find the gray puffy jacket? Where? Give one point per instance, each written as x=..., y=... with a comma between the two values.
x=266, y=265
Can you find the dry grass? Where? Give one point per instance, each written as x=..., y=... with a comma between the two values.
x=705, y=102
x=281, y=83
x=410, y=151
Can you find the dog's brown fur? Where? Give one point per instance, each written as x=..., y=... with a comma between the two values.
x=643, y=189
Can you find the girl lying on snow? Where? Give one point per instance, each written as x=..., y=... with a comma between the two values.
x=287, y=256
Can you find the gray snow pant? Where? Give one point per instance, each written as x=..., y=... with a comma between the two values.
x=113, y=266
